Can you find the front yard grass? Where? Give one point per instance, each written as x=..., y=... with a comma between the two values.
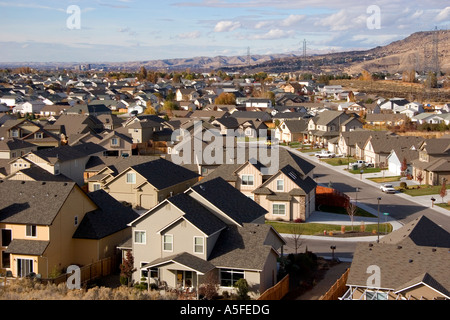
x=424, y=190
x=365, y=170
x=386, y=179
x=339, y=161
x=318, y=228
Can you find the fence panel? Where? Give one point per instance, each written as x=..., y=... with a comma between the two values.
x=278, y=291
x=337, y=289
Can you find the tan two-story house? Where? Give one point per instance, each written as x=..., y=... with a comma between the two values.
x=47, y=226
x=202, y=236
x=146, y=184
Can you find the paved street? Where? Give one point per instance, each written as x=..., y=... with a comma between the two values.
x=401, y=208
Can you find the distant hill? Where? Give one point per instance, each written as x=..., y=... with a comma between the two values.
x=413, y=52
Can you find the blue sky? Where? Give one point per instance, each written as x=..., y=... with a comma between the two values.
x=136, y=30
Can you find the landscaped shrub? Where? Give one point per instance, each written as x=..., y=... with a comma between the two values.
x=403, y=185
x=242, y=289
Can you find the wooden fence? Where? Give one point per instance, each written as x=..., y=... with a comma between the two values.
x=278, y=291
x=338, y=289
x=89, y=272
x=331, y=197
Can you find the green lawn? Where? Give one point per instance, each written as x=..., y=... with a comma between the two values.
x=386, y=179
x=443, y=205
x=318, y=228
x=424, y=190
x=366, y=170
x=338, y=161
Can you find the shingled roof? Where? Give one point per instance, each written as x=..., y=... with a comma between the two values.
x=416, y=253
x=229, y=200
x=110, y=217
x=32, y=202
x=243, y=247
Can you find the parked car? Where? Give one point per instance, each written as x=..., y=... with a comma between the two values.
x=361, y=164
x=325, y=154
x=387, y=188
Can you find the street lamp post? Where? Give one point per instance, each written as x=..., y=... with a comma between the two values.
x=356, y=195
x=378, y=227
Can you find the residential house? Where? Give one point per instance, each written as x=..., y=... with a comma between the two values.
x=259, y=103
x=67, y=160
x=287, y=193
x=291, y=130
x=351, y=143
x=433, y=164
x=410, y=263
x=186, y=94
x=31, y=107
x=378, y=148
x=88, y=109
x=11, y=148
x=142, y=128
x=53, y=110
x=386, y=119
x=147, y=184
x=400, y=157
x=328, y=124
x=193, y=237
x=47, y=226
x=393, y=104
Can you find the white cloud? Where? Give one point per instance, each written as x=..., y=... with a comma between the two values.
x=189, y=35
x=292, y=19
x=274, y=34
x=227, y=26
x=443, y=15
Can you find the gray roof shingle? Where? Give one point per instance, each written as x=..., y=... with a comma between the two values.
x=32, y=202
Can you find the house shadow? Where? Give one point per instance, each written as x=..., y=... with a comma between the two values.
x=13, y=209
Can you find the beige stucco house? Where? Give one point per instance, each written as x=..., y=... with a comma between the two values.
x=287, y=194
x=145, y=184
x=47, y=226
x=200, y=236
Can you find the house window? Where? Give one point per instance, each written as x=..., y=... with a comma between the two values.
x=38, y=135
x=139, y=237
x=114, y=142
x=97, y=186
x=15, y=133
x=280, y=185
x=373, y=295
x=168, y=242
x=31, y=230
x=228, y=277
x=199, y=245
x=247, y=180
x=6, y=260
x=279, y=209
x=6, y=237
x=144, y=272
x=131, y=178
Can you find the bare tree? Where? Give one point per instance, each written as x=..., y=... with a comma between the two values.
x=443, y=192
x=351, y=211
x=296, y=234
